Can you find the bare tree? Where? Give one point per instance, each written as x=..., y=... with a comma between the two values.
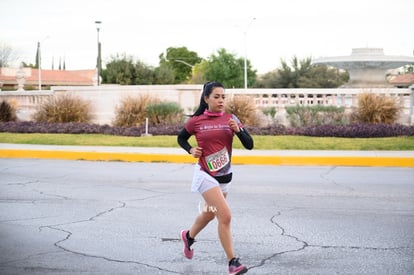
x=7, y=55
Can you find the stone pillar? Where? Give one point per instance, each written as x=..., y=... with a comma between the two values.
x=21, y=79
x=334, y=99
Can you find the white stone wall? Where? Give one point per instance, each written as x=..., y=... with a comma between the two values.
x=105, y=99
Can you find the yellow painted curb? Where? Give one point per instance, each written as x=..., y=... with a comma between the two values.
x=325, y=160
x=258, y=160
x=103, y=156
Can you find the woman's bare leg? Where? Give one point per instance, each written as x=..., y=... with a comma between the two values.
x=201, y=221
x=207, y=214
x=216, y=203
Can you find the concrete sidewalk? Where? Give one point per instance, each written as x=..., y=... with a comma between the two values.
x=177, y=155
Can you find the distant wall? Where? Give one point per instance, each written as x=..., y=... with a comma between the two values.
x=105, y=98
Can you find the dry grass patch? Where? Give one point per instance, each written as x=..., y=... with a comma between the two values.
x=374, y=108
x=62, y=109
x=132, y=110
x=244, y=108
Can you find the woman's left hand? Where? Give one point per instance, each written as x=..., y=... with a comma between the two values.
x=233, y=125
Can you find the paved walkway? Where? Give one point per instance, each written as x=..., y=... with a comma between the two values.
x=177, y=155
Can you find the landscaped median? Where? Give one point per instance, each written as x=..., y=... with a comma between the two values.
x=177, y=155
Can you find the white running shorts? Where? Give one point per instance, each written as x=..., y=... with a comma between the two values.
x=202, y=181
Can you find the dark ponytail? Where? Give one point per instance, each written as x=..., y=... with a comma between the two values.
x=207, y=89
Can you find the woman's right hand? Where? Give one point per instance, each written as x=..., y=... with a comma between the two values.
x=196, y=152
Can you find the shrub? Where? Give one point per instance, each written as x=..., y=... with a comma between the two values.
x=359, y=130
x=304, y=116
x=62, y=109
x=349, y=131
x=132, y=111
x=269, y=111
x=244, y=108
x=299, y=116
x=7, y=112
x=270, y=130
x=374, y=108
x=164, y=113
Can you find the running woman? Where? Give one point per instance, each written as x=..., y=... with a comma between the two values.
x=214, y=131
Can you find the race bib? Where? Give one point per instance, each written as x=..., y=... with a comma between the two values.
x=218, y=160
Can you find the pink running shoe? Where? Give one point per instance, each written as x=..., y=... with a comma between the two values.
x=188, y=252
x=236, y=268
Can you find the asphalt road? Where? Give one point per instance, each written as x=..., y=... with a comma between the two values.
x=95, y=217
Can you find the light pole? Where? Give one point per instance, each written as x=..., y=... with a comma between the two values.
x=39, y=67
x=98, y=60
x=180, y=61
x=39, y=62
x=183, y=62
x=245, y=53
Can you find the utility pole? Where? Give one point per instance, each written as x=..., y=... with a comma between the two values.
x=98, y=61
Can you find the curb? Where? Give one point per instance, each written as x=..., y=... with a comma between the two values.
x=318, y=160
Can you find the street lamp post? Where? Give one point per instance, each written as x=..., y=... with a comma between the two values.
x=98, y=60
x=39, y=62
x=245, y=53
x=183, y=62
x=39, y=67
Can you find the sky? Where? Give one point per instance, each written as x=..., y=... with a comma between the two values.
x=265, y=31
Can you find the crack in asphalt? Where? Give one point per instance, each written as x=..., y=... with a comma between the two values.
x=69, y=234
x=59, y=243
x=17, y=201
x=147, y=198
x=51, y=195
x=359, y=247
x=27, y=219
x=325, y=176
x=304, y=244
x=23, y=183
x=123, y=204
